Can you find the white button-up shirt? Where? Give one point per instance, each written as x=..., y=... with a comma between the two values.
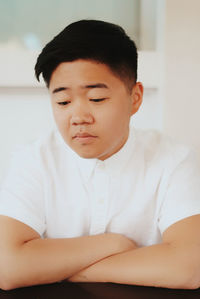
x=139, y=192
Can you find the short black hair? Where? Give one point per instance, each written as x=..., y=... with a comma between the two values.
x=95, y=40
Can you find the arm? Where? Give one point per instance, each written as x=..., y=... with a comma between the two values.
x=175, y=263
x=26, y=259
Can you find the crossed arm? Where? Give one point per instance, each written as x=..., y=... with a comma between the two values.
x=175, y=263
x=25, y=259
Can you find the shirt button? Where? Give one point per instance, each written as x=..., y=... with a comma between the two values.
x=101, y=201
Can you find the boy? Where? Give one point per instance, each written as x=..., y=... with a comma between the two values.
x=97, y=200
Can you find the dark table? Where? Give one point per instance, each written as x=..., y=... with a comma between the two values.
x=97, y=291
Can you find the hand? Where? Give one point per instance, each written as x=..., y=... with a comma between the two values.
x=79, y=277
x=121, y=243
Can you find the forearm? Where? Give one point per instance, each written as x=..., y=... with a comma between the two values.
x=159, y=265
x=49, y=260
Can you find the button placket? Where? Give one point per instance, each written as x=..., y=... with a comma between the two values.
x=99, y=201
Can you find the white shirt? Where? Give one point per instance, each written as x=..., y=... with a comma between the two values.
x=139, y=192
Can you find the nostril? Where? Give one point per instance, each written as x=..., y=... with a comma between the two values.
x=77, y=120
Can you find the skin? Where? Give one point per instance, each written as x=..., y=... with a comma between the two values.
x=82, y=105
x=26, y=259
x=175, y=263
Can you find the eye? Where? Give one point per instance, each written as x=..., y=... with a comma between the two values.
x=63, y=103
x=97, y=100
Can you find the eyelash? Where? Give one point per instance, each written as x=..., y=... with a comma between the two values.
x=63, y=103
x=97, y=100
x=92, y=100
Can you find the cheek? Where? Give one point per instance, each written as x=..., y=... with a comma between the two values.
x=115, y=117
x=60, y=117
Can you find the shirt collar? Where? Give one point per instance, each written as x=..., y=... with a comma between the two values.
x=113, y=165
x=86, y=166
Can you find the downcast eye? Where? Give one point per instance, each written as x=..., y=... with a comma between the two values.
x=97, y=100
x=63, y=103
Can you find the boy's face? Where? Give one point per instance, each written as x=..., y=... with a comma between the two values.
x=92, y=107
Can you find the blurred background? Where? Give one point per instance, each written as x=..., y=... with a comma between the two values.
x=167, y=34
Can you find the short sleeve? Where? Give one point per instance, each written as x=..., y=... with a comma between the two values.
x=182, y=198
x=21, y=192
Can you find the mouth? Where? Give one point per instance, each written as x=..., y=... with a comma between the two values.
x=84, y=137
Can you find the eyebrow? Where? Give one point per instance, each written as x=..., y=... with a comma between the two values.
x=96, y=85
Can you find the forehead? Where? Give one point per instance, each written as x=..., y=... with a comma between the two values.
x=83, y=73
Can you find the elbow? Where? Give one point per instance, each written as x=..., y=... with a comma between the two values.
x=6, y=287
x=191, y=279
x=7, y=278
x=6, y=284
x=180, y=282
x=193, y=273
x=10, y=281
x=12, y=274
x=185, y=269
x=192, y=283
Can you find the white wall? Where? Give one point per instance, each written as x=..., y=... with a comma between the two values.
x=182, y=61
x=25, y=114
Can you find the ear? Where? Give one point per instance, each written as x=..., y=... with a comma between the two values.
x=136, y=97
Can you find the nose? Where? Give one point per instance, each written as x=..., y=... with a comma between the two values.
x=81, y=115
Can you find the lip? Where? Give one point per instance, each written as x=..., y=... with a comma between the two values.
x=84, y=137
